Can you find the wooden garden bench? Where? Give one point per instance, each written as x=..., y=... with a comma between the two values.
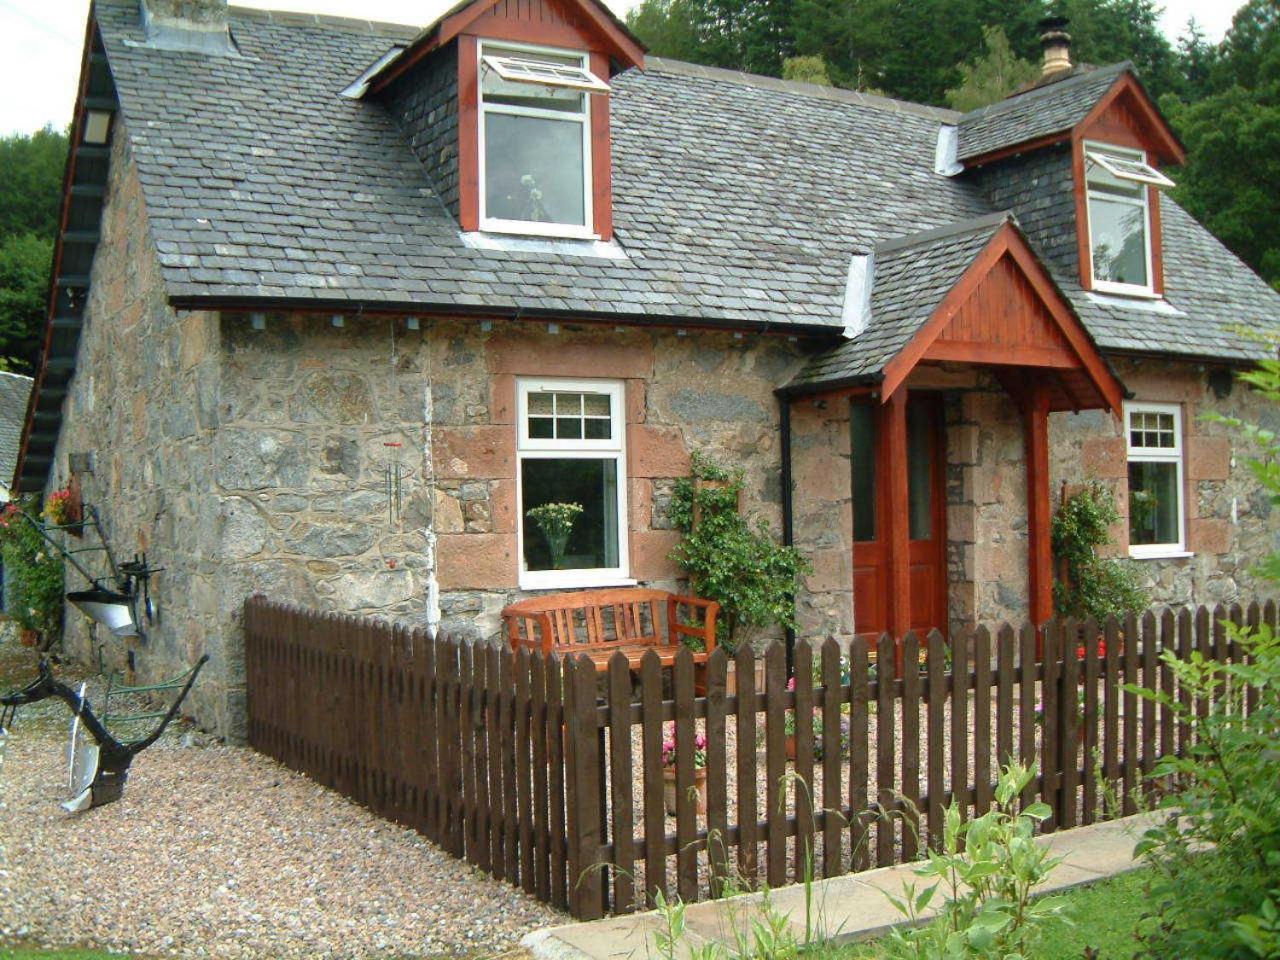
x=601, y=623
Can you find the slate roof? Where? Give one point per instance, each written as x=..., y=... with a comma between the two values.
x=737, y=199
x=15, y=390
x=261, y=181
x=1039, y=112
x=911, y=276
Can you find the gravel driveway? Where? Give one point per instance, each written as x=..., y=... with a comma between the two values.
x=216, y=851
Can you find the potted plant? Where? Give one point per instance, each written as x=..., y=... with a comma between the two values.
x=62, y=508
x=699, y=773
x=555, y=521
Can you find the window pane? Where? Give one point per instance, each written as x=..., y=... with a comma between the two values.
x=533, y=169
x=1118, y=233
x=497, y=90
x=1153, y=503
x=568, y=428
x=862, y=435
x=920, y=472
x=591, y=540
x=597, y=404
x=597, y=429
x=540, y=403
x=568, y=404
x=540, y=428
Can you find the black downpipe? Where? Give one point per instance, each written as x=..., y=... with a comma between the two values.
x=788, y=531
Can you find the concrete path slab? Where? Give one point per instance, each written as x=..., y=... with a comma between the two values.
x=852, y=907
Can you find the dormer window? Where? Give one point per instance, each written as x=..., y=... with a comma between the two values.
x=1118, y=182
x=535, y=140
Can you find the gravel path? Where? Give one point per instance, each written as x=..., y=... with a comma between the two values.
x=216, y=851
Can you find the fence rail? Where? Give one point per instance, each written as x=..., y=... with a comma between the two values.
x=549, y=775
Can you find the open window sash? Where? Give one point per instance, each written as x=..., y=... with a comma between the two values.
x=1132, y=169
x=562, y=76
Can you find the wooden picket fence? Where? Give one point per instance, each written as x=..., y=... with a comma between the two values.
x=549, y=775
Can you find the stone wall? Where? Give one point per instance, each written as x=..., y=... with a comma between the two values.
x=1231, y=523
x=144, y=404
x=823, y=514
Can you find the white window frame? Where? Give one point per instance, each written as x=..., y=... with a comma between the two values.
x=529, y=448
x=1091, y=153
x=586, y=231
x=1172, y=455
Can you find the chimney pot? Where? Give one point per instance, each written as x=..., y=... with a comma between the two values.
x=1056, y=44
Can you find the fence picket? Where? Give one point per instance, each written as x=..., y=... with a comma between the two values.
x=744, y=671
x=911, y=703
x=860, y=817
x=801, y=785
x=1091, y=754
x=686, y=803
x=982, y=721
x=655, y=819
x=885, y=798
x=540, y=727
x=832, y=752
x=1069, y=732
x=717, y=771
x=775, y=680
x=1028, y=640
x=1130, y=769
x=960, y=733
x=556, y=843
x=937, y=734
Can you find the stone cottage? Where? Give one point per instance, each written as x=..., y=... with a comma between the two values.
x=337, y=303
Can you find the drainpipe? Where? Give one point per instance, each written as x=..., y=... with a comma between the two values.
x=788, y=531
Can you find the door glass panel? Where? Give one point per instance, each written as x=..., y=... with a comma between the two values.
x=862, y=446
x=920, y=472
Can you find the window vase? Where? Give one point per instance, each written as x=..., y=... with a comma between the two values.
x=669, y=794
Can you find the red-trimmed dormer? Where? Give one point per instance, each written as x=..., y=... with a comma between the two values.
x=507, y=104
x=1097, y=133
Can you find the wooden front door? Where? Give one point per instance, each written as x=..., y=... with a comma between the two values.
x=926, y=515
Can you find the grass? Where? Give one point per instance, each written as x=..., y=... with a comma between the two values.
x=1105, y=913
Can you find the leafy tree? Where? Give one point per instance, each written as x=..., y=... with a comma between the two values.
x=31, y=170
x=992, y=77
x=806, y=70
x=24, y=286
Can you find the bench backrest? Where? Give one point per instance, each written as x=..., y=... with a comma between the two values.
x=590, y=619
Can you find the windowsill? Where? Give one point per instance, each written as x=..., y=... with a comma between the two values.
x=1124, y=290
x=568, y=580
x=1160, y=553
x=520, y=228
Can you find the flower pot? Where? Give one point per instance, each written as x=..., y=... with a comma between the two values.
x=791, y=746
x=731, y=678
x=28, y=638
x=669, y=789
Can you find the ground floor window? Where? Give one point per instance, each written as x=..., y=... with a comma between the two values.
x=571, y=483
x=1154, y=432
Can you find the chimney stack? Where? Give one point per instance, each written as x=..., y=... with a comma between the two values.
x=195, y=25
x=1056, y=43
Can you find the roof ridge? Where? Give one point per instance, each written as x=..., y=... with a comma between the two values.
x=296, y=18
x=840, y=94
x=956, y=227
x=1035, y=93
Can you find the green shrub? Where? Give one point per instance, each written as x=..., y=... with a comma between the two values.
x=988, y=870
x=1090, y=585
x=33, y=575
x=729, y=559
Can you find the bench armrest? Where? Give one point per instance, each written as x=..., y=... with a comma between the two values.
x=676, y=630
x=519, y=637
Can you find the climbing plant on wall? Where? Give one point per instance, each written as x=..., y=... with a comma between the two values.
x=1089, y=585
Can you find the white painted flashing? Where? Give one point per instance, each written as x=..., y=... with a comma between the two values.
x=360, y=86
x=1158, y=305
x=945, y=153
x=599, y=249
x=857, y=294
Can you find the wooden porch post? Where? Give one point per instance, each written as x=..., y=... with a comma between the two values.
x=1039, y=560
x=894, y=473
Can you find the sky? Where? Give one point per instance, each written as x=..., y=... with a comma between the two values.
x=40, y=43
